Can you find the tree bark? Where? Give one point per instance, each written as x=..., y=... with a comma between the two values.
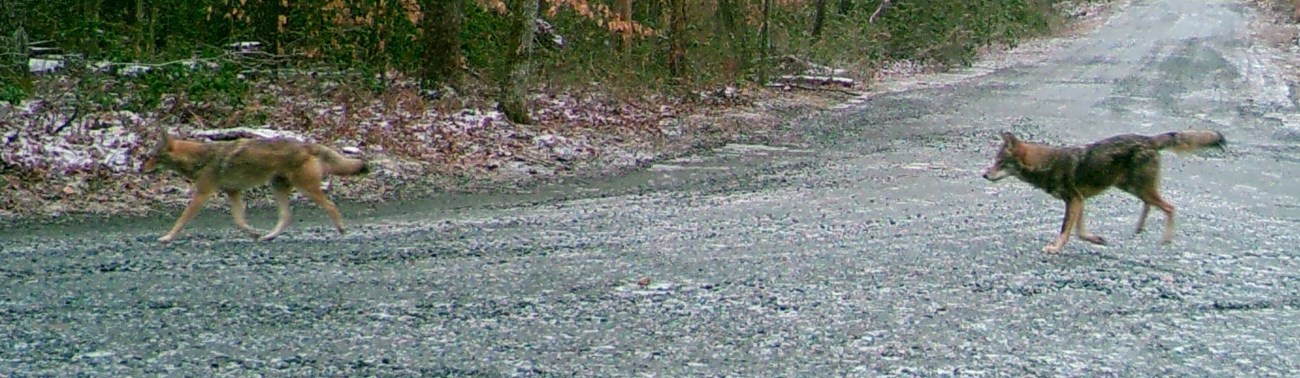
x=625, y=14
x=139, y=28
x=444, y=56
x=677, y=38
x=819, y=20
x=765, y=39
x=727, y=17
x=90, y=44
x=514, y=84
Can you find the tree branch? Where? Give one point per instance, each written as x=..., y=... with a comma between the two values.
x=879, y=9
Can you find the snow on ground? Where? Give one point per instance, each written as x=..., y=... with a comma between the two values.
x=48, y=141
x=39, y=136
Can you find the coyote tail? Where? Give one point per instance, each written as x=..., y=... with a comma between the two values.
x=1189, y=140
x=337, y=164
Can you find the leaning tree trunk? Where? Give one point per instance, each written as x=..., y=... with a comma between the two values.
x=514, y=84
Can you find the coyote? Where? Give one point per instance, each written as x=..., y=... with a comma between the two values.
x=1129, y=162
x=234, y=166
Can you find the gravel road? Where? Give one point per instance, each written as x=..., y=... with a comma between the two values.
x=873, y=249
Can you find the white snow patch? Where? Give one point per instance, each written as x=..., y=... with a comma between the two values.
x=134, y=69
x=247, y=132
x=756, y=149
x=95, y=141
x=41, y=65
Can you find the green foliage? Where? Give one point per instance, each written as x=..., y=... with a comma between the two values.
x=370, y=38
x=486, y=38
x=945, y=32
x=221, y=85
x=12, y=92
x=144, y=91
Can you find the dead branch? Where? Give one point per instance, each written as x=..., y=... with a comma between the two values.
x=817, y=80
x=788, y=86
x=879, y=9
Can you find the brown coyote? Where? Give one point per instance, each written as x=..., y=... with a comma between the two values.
x=234, y=166
x=1073, y=174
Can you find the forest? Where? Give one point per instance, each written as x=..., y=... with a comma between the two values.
x=505, y=47
x=453, y=91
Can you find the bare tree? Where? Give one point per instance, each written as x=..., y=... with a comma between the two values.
x=820, y=20
x=625, y=15
x=765, y=38
x=514, y=83
x=443, y=57
x=677, y=37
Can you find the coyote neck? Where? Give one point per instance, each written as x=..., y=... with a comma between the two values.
x=188, y=157
x=1048, y=168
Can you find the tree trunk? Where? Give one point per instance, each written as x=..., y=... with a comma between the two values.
x=139, y=28
x=819, y=20
x=514, y=84
x=765, y=39
x=151, y=41
x=729, y=39
x=625, y=14
x=443, y=56
x=726, y=16
x=89, y=43
x=677, y=38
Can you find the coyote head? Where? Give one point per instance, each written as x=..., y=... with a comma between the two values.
x=160, y=155
x=1008, y=160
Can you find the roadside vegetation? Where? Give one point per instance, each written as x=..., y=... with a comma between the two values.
x=466, y=89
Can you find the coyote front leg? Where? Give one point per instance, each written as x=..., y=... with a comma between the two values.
x=1073, y=207
x=200, y=197
x=1082, y=232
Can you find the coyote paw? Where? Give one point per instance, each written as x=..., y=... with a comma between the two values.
x=1093, y=238
x=165, y=239
x=1051, y=248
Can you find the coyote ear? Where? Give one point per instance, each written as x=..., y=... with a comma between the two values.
x=164, y=140
x=1009, y=138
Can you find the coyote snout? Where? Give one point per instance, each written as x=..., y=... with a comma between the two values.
x=994, y=173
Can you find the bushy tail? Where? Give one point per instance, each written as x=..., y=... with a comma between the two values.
x=1189, y=140
x=337, y=164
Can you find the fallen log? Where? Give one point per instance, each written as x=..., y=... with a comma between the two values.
x=816, y=80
